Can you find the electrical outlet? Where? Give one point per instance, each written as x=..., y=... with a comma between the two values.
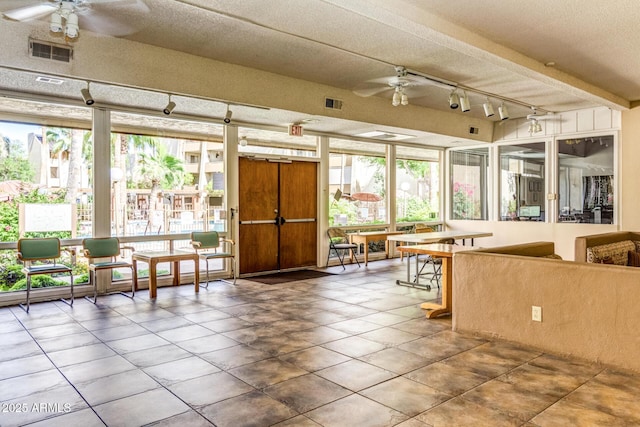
x=536, y=313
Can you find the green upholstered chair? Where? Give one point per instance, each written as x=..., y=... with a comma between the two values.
x=103, y=253
x=209, y=245
x=39, y=256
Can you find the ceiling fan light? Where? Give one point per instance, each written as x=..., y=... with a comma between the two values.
x=488, y=109
x=55, y=24
x=72, y=29
x=465, y=105
x=454, y=100
x=395, y=101
x=503, y=111
x=404, y=99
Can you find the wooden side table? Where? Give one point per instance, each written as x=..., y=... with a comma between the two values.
x=155, y=257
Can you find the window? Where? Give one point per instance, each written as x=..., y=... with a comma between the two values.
x=418, y=184
x=159, y=185
x=469, y=183
x=358, y=170
x=522, y=182
x=585, y=180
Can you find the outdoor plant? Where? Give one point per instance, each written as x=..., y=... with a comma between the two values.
x=41, y=281
x=9, y=275
x=464, y=205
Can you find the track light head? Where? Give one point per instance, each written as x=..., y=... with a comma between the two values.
x=227, y=117
x=86, y=96
x=454, y=100
x=502, y=110
x=465, y=105
x=488, y=109
x=169, y=108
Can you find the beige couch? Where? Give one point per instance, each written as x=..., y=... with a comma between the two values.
x=598, y=247
x=589, y=311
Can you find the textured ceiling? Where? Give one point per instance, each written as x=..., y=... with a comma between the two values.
x=493, y=48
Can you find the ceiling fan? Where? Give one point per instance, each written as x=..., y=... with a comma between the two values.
x=111, y=17
x=404, y=84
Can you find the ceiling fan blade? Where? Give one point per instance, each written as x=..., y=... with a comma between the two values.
x=372, y=90
x=113, y=17
x=379, y=85
x=28, y=13
x=139, y=4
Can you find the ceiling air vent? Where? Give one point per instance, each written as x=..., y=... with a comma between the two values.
x=52, y=52
x=332, y=104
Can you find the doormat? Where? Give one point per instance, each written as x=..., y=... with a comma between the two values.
x=288, y=276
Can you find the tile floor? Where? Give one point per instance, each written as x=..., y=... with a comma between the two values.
x=352, y=349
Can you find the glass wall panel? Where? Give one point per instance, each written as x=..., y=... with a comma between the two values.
x=357, y=175
x=586, y=180
x=522, y=182
x=42, y=165
x=45, y=186
x=418, y=185
x=167, y=177
x=468, y=191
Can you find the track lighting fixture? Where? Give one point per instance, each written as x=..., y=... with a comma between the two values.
x=86, y=95
x=170, y=106
x=454, y=100
x=465, y=105
x=488, y=108
x=66, y=12
x=502, y=110
x=227, y=116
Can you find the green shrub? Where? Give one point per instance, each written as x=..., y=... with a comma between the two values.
x=40, y=281
x=81, y=279
x=10, y=274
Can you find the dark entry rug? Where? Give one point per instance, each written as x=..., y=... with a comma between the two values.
x=288, y=276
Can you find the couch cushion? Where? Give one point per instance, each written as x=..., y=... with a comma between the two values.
x=633, y=259
x=617, y=251
x=552, y=256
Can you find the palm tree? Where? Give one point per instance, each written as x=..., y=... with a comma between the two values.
x=69, y=142
x=159, y=169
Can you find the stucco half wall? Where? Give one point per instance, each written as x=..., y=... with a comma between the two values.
x=589, y=311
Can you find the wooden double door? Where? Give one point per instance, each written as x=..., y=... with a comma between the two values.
x=277, y=215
